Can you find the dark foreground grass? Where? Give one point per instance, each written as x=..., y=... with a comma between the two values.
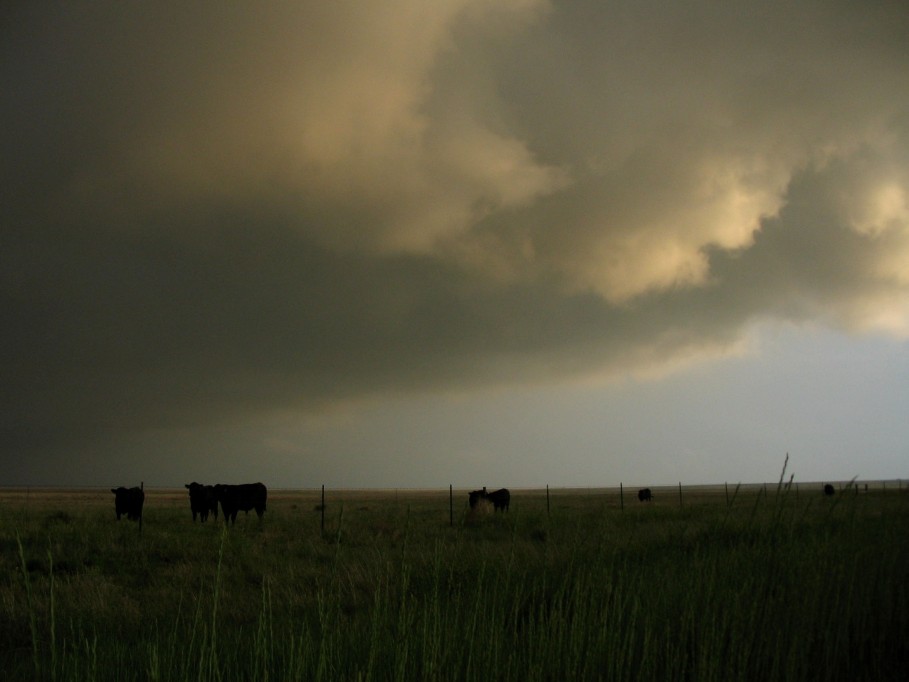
x=769, y=587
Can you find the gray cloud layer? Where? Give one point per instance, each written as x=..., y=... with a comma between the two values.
x=209, y=212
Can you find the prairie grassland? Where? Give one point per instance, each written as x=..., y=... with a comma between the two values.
x=759, y=585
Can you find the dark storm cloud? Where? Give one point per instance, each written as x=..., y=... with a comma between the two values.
x=212, y=212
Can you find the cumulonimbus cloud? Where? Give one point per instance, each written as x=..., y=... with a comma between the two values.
x=225, y=210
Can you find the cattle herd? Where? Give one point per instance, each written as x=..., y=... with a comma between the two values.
x=205, y=499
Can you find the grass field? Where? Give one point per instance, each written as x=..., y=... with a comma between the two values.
x=751, y=586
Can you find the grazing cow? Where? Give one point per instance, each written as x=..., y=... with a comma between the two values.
x=499, y=499
x=202, y=500
x=645, y=495
x=234, y=498
x=128, y=502
x=828, y=489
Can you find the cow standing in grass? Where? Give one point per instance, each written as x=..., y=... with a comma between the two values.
x=202, y=500
x=645, y=495
x=128, y=502
x=234, y=498
x=500, y=499
x=829, y=489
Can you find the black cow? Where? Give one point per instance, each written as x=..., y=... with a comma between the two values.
x=500, y=499
x=202, y=500
x=128, y=502
x=234, y=498
x=645, y=495
x=828, y=489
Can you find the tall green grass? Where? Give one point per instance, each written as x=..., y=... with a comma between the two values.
x=764, y=586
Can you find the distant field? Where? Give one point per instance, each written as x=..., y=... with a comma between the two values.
x=721, y=583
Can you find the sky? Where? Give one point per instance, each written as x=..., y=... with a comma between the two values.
x=408, y=244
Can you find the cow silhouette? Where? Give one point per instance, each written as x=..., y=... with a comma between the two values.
x=500, y=499
x=243, y=497
x=128, y=502
x=202, y=500
x=829, y=489
x=645, y=495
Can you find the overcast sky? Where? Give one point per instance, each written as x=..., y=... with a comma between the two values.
x=411, y=243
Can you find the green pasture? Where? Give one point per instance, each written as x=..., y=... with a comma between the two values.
x=757, y=585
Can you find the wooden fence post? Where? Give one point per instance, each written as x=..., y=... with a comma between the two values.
x=322, y=507
x=450, y=505
x=680, y=494
x=621, y=497
x=727, y=493
x=547, y=499
x=142, y=488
